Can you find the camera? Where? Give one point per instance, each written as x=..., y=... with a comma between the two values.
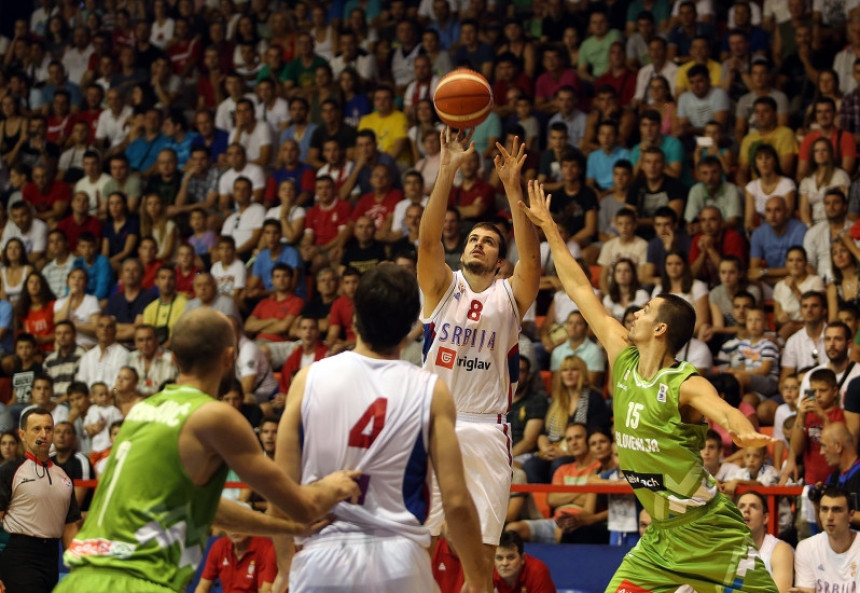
x=815, y=493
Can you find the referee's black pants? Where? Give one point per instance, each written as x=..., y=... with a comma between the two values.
x=30, y=564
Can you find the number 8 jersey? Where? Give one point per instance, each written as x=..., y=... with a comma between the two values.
x=372, y=415
x=471, y=342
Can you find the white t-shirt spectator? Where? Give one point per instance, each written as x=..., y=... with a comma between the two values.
x=231, y=278
x=34, y=240
x=242, y=225
x=83, y=314
x=96, y=191
x=816, y=562
x=788, y=300
x=110, y=414
x=250, y=170
x=254, y=141
x=113, y=127
x=275, y=115
x=252, y=361
x=95, y=367
x=77, y=62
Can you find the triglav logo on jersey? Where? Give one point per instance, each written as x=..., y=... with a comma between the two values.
x=446, y=357
x=661, y=395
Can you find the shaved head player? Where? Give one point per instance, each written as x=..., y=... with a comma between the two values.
x=161, y=491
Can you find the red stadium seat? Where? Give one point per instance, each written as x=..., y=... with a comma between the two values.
x=547, y=380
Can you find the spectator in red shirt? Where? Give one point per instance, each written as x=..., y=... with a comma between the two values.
x=48, y=196
x=146, y=252
x=35, y=311
x=186, y=271
x=80, y=221
x=327, y=226
x=184, y=49
x=341, y=335
x=618, y=75
x=241, y=563
x=273, y=316
x=508, y=76
x=92, y=109
x=712, y=244
x=310, y=350
x=379, y=204
x=516, y=571
x=844, y=146
x=61, y=120
x=474, y=196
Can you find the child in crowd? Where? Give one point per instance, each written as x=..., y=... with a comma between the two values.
x=202, y=239
x=754, y=472
x=100, y=279
x=717, y=147
x=756, y=366
x=612, y=203
x=23, y=367
x=712, y=458
x=789, y=389
x=818, y=408
x=523, y=108
x=100, y=416
x=229, y=272
x=186, y=271
x=627, y=244
x=79, y=405
x=102, y=463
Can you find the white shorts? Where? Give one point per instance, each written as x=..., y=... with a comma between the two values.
x=362, y=564
x=486, y=450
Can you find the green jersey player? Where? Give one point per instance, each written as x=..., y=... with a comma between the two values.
x=161, y=490
x=698, y=536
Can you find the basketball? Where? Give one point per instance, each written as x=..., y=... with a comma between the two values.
x=463, y=98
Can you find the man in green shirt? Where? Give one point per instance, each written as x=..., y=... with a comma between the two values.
x=161, y=490
x=698, y=536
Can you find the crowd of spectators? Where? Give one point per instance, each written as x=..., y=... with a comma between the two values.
x=257, y=156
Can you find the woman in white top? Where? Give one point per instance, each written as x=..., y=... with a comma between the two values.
x=14, y=271
x=677, y=278
x=786, y=293
x=323, y=34
x=154, y=223
x=771, y=182
x=825, y=175
x=162, y=25
x=623, y=289
x=291, y=215
x=80, y=308
x=426, y=124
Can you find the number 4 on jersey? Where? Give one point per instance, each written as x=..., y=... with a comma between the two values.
x=368, y=427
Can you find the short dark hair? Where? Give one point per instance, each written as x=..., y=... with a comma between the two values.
x=66, y=322
x=25, y=417
x=511, y=539
x=386, y=305
x=680, y=319
x=842, y=325
x=823, y=376
x=769, y=101
x=282, y=267
x=837, y=492
x=698, y=70
x=78, y=387
x=809, y=294
x=489, y=226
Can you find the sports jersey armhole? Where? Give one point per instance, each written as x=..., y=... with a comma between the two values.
x=509, y=290
x=443, y=301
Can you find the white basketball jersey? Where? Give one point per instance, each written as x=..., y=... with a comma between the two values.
x=471, y=342
x=371, y=415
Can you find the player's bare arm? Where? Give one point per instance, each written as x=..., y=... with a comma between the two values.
x=221, y=432
x=526, y=278
x=464, y=529
x=434, y=275
x=238, y=518
x=610, y=333
x=699, y=395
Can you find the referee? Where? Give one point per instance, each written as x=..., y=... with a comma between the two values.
x=38, y=507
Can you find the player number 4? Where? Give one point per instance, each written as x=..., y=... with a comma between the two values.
x=374, y=417
x=633, y=410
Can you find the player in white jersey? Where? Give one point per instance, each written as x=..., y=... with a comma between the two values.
x=368, y=410
x=472, y=322
x=777, y=555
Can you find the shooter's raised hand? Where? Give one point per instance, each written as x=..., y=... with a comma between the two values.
x=509, y=165
x=455, y=147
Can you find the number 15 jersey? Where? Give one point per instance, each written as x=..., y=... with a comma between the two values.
x=471, y=340
x=372, y=415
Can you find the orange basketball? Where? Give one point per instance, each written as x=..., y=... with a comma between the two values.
x=463, y=98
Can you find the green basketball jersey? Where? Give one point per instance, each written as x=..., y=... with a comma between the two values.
x=658, y=452
x=147, y=518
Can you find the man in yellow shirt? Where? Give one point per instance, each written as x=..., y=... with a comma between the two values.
x=389, y=124
x=766, y=131
x=700, y=52
x=163, y=312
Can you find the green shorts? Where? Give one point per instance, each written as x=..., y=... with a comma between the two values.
x=710, y=549
x=107, y=580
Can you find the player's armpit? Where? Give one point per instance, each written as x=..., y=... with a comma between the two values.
x=699, y=395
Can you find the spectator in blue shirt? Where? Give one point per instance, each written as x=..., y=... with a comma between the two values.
x=97, y=267
x=208, y=136
x=772, y=240
x=274, y=251
x=143, y=151
x=600, y=162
